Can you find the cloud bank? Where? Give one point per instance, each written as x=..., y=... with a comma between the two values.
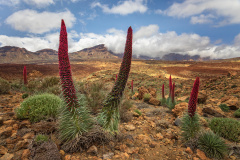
x=123, y=8
x=222, y=12
x=39, y=22
x=147, y=41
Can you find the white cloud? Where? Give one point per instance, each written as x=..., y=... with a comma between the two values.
x=39, y=3
x=228, y=10
x=149, y=43
x=123, y=7
x=9, y=2
x=35, y=22
x=201, y=19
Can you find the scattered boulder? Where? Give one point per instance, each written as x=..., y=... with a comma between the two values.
x=154, y=101
x=141, y=91
x=233, y=103
x=153, y=92
x=179, y=109
x=202, y=97
x=44, y=127
x=7, y=156
x=44, y=151
x=93, y=150
x=214, y=111
x=130, y=127
x=108, y=155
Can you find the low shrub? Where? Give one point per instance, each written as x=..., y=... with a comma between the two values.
x=190, y=127
x=40, y=138
x=224, y=107
x=146, y=97
x=4, y=86
x=39, y=107
x=50, y=82
x=138, y=112
x=125, y=114
x=226, y=127
x=212, y=145
x=25, y=95
x=237, y=113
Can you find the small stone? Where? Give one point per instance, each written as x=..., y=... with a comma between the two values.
x=152, y=144
x=67, y=157
x=195, y=158
x=232, y=157
x=159, y=136
x=21, y=144
x=201, y=155
x=26, y=153
x=9, y=122
x=108, y=155
x=130, y=127
x=3, y=150
x=1, y=121
x=29, y=135
x=177, y=122
x=189, y=151
x=154, y=101
x=93, y=150
x=7, y=156
x=15, y=126
x=62, y=152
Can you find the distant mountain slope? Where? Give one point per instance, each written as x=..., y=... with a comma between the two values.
x=185, y=57
x=11, y=54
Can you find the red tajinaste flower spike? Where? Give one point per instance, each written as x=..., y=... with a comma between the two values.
x=132, y=85
x=163, y=96
x=193, y=98
x=25, y=75
x=120, y=84
x=116, y=77
x=170, y=86
x=173, y=87
x=68, y=89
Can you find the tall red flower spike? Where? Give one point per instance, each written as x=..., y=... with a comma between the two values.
x=163, y=96
x=110, y=111
x=193, y=98
x=120, y=84
x=68, y=89
x=25, y=75
x=132, y=85
x=170, y=86
x=116, y=77
x=173, y=87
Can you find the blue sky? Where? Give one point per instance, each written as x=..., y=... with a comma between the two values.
x=204, y=27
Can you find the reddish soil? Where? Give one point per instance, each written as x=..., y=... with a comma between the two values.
x=14, y=71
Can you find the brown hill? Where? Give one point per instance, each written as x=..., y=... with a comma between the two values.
x=11, y=54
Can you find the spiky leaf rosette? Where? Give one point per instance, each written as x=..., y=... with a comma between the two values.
x=74, y=118
x=212, y=145
x=193, y=98
x=74, y=124
x=109, y=117
x=25, y=75
x=190, y=126
x=68, y=89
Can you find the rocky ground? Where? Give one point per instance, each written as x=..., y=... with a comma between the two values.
x=153, y=135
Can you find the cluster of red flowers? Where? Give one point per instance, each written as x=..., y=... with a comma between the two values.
x=69, y=92
x=193, y=98
x=25, y=75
